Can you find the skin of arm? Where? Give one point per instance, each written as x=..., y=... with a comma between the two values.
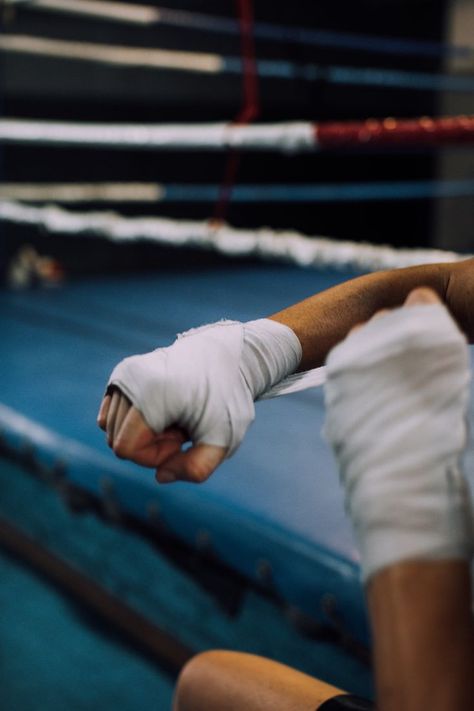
x=324, y=319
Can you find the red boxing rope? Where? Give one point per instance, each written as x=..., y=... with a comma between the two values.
x=390, y=131
x=288, y=137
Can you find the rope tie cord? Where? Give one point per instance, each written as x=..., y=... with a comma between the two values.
x=289, y=137
x=251, y=102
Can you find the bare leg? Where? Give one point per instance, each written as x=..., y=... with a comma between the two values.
x=232, y=681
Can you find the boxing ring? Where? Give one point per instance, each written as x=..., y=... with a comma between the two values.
x=261, y=557
x=272, y=515
x=274, y=510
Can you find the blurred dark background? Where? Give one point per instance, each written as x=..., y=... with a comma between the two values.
x=51, y=88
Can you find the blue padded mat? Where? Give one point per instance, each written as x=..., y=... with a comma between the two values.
x=277, y=501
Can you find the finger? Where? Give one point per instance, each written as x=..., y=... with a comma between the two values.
x=122, y=410
x=160, y=448
x=167, y=444
x=195, y=465
x=422, y=295
x=380, y=314
x=137, y=442
x=174, y=432
x=103, y=410
x=377, y=315
x=356, y=328
x=133, y=436
x=114, y=403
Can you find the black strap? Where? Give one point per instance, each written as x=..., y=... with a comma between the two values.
x=347, y=702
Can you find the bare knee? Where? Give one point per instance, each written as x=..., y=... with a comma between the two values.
x=192, y=688
x=216, y=680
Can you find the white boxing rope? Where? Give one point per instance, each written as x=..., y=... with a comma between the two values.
x=124, y=56
x=82, y=192
x=285, y=245
x=288, y=246
x=117, y=11
x=286, y=136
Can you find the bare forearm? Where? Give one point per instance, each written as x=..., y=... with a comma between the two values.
x=423, y=636
x=324, y=319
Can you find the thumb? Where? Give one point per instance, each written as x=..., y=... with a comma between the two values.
x=195, y=464
x=422, y=295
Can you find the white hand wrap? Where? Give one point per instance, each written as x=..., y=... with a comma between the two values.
x=207, y=381
x=396, y=396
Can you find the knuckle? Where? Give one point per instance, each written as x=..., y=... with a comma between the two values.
x=190, y=680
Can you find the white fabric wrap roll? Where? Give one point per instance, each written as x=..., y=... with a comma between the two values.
x=207, y=380
x=396, y=397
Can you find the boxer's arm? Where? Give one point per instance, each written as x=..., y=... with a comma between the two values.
x=319, y=322
x=423, y=636
x=408, y=501
x=324, y=319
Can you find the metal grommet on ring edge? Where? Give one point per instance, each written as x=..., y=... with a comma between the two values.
x=347, y=702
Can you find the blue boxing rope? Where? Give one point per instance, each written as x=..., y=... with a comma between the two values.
x=216, y=64
x=151, y=15
x=331, y=192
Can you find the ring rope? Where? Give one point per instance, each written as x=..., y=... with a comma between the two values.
x=150, y=15
x=286, y=245
x=98, y=9
x=243, y=193
x=210, y=63
x=293, y=136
